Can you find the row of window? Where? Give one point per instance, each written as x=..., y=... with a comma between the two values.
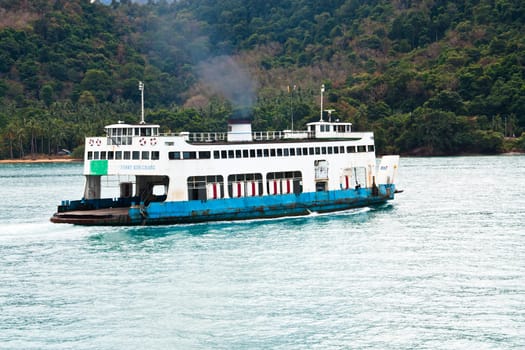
x=124, y=155
x=244, y=185
x=229, y=154
x=268, y=152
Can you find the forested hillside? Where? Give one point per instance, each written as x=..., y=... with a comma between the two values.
x=428, y=77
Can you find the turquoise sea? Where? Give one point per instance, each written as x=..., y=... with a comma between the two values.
x=440, y=267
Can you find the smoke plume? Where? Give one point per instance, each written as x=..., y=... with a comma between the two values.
x=229, y=78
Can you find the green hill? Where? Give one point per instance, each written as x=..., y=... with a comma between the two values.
x=434, y=77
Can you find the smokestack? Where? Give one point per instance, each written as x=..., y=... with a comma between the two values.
x=240, y=125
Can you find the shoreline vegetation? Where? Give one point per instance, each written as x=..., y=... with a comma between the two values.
x=443, y=78
x=41, y=158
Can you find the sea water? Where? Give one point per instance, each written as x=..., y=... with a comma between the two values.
x=440, y=267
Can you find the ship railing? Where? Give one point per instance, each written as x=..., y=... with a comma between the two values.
x=207, y=136
x=267, y=135
x=204, y=137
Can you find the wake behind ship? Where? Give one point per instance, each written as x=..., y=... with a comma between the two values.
x=197, y=177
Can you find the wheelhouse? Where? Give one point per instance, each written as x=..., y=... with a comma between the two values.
x=122, y=134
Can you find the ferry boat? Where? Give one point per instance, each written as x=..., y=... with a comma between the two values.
x=135, y=175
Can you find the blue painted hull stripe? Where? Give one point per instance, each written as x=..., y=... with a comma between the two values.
x=258, y=207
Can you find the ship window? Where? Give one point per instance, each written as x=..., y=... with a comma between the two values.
x=145, y=132
x=136, y=155
x=204, y=155
x=336, y=150
x=118, y=155
x=265, y=151
x=216, y=154
x=311, y=151
x=342, y=149
x=103, y=155
x=361, y=148
x=224, y=154
x=127, y=155
x=173, y=155
x=238, y=153
x=90, y=155
x=205, y=187
x=245, y=185
x=155, y=155
x=317, y=150
x=137, y=131
x=272, y=152
x=286, y=152
x=323, y=149
x=95, y=155
x=284, y=182
x=196, y=188
x=230, y=154
x=321, y=186
x=189, y=155
x=292, y=151
x=252, y=153
x=145, y=155
x=350, y=149
x=370, y=148
x=111, y=155
x=279, y=152
x=299, y=151
x=245, y=153
x=259, y=153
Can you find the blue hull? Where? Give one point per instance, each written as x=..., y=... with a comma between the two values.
x=259, y=207
x=108, y=212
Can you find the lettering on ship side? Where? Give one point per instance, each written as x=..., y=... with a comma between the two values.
x=137, y=167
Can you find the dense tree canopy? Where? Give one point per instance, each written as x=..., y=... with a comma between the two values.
x=434, y=77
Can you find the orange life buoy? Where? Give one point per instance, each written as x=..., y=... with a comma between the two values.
x=142, y=141
x=153, y=141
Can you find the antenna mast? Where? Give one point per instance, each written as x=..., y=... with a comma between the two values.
x=141, y=88
x=322, y=91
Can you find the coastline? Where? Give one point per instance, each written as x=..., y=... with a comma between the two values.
x=40, y=160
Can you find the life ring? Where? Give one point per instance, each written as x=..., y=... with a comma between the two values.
x=91, y=142
x=153, y=141
x=98, y=142
x=142, y=141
